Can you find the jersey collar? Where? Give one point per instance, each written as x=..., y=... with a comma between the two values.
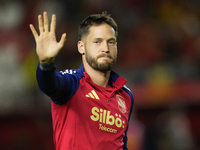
x=115, y=80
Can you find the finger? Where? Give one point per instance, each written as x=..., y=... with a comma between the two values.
x=34, y=32
x=40, y=24
x=46, y=22
x=53, y=23
x=62, y=40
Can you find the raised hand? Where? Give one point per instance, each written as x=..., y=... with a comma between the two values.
x=47, y=48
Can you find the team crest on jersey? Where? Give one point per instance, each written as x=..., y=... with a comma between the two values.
x=121, y=103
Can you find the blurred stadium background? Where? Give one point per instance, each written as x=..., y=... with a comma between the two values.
x=159, y=55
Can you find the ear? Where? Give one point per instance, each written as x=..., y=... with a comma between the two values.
x=81, y=47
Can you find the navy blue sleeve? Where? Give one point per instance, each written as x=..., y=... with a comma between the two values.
x=125, y=139
x=59, y=86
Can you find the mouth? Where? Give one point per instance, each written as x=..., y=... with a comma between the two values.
x=105, y=56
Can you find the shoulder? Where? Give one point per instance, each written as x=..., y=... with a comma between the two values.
x=68, y=81
x=128, y=91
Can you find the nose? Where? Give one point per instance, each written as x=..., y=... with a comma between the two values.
x=105, y=48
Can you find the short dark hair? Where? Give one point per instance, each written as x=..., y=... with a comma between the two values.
x=96, y=19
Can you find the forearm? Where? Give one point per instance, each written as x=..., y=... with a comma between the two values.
x=46, y=78
x=53, y=84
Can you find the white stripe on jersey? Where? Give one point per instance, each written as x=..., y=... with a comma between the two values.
x=126, y=88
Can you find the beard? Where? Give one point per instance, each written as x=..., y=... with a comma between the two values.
x=103, y=66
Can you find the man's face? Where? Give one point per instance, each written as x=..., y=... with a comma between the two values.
x=101, y=47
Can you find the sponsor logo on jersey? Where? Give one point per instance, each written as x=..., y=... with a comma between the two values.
x=105, y=118
x=121, y=103
x=93, y=95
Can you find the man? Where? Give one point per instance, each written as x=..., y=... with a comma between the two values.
x=91, y=106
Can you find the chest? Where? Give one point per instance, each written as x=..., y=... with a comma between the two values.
x=107, y=110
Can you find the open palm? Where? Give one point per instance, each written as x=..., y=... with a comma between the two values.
x=47, y=48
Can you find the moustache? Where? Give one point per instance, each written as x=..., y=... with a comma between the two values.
x=104, y=55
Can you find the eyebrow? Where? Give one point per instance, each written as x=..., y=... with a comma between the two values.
x=110, y=39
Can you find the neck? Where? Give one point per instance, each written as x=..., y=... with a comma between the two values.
x=98, y=77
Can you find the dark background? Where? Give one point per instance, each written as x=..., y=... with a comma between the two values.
x=158, y=53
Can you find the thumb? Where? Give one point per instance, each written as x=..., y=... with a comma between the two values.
x=62, y=40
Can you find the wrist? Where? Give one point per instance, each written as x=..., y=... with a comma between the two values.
x=46, y=66
x=46, y=61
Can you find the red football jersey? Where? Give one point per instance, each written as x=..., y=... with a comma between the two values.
x=86, y=116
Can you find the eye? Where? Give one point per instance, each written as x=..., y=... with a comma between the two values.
x=97, y=42
x=111, y=42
